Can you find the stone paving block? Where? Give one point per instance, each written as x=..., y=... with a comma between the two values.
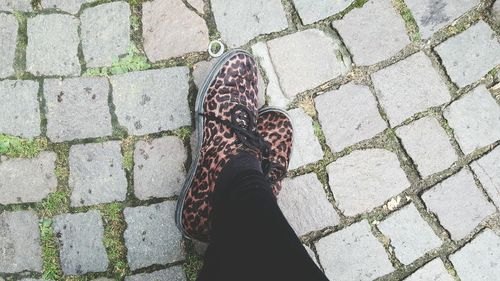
x=159, y=168
x=487, y=170
x=151, y=236
x=8, y=37
x=96, y=174
x=496, y=10
x=364, y=31
x=365, y=179
x=80, y=242
x=243, y=20
x=20, y=115
x=27, y=180
x=353, y=253
x=475, y=119
x=311, y=11
x=348, y=115
x=70, y=6
x=478, y=260
x=152, y=101
x=304, y=204
x=19, y=242
x=170, y=29
x=174, y=273
x=409, y=86
x=77, y=108
x=434, y=270
x=105, y=32
x=298, y=68
x=410, y=235
x=458, y=203
x=428, y=145
x=53, y=51
x=198, y=5
x=306, y=147
x=15, y=5
x=471, y=54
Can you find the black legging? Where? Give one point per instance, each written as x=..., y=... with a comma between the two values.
x=251, y=239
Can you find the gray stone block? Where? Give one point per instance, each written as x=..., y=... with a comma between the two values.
x=366, y=179
x=434, y=270
x=53, y=51
x=152, y=101
x=69, y=6
x=306, y=147
x=19, y=242
x=314, y=10
x=353, y=254
x=27, y=180
x=408, y=87
x=20, y=115
x=8, y=37
x=487, y=170
x=77, y=108
x=15, y=5
x=174, y=273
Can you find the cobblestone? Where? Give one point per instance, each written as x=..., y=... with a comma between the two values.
x=16, y=5
x=306, y=147
x=486, y=169
x=69, y=6
x=199, y=5
x=315, y=10
x=434, y=270
x=8, y=37
x=174, y=273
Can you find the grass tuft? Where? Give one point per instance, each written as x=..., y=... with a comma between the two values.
x=133, y=61
x=410, y=22
x=54, y=204
x=50, y=252
x=17, y=147
x=114, y=228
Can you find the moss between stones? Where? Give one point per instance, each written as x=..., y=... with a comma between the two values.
x=133, y=61
x=193, y=263
x=17, y=147
x=50, y=251
x=411, y=24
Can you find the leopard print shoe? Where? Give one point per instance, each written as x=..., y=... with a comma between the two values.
x=226, y=125
x=275, y=126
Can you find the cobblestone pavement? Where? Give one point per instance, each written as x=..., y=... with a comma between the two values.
x=396, y=104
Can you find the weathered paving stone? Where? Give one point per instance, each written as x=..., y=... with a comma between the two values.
x=151, y=236
x=365, y=179
x=306, y=147
x=244, y=20
x=428, y=145
x=19, y=242
x=170, y=29
x=77, y=108
x=434, y=270
x=27, y=180
x=70, y=6
x=105, y=32
x=53, y=51
x=471, y=54
x=410, y=235
x=174, y=273
x=159, y=168
x=496, y=10
x=20, y=115
x=353, y=254
x=298, y=68
x=459, y=204
x=152, y=101
x=314, y=10
x=305, y=205
x=365, y=30
x=348, y=115
x=80, y=240
x=409, y=86
x=473, y=130
x=96, y=174
x=199, y=5
x=478, y=260
x=8, y=37
x=487, y=170
x=15, y=5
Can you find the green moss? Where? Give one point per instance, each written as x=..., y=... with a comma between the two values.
x=192, y=266
x=128, y=153
x=55, y=203
x=318, y=132
x=358, y=3
x=133, y=61
x=135, y=21
x=184, y=133
x=411, y=24
x=113, y=231
x=17, y=147
x=50, y=252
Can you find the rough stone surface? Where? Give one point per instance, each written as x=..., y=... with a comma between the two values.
x=348, y=115
x=459, y=204
x=27, y=180
x=53, y=51
x=20, y=115
x=70, y=6
x=244, y=20
x=434, y=270
x=80, y=242
x=19, y=242
x=96, y=174
x=105, y=32
x=365, y=179
x=77, y=108
x=478, y=260
x=298, y=68
x=315, y=10
x=15, y=5
x=8, y=37
x=428, y=145
x=475, y=119
x=408, y=87
x=496, y=10
x=159, y=168
x=152, y=101
x=151, y=236
x=353, y=254
x=487, y=170
x=174, y=273
x=170, y=29
x=306, y=147
x=410, y=235
x=199, y=5
x=304, y=204
x=365, y=32
x=471, y=54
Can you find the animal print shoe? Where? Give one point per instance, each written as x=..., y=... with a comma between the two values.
x=226, y=126
x=275, y=126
